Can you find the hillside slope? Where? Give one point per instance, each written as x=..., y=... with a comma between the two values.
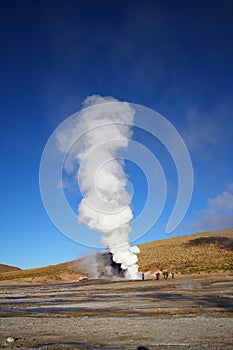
x=203, y=252
x=67, y=271
x=7, y=268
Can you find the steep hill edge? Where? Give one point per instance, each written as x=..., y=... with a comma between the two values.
x=8, y=268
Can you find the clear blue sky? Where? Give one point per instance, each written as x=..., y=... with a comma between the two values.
x=175, y=57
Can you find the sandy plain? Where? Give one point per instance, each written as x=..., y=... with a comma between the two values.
x=187, y=312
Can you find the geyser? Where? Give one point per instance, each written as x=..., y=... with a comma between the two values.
x=105, y=126
x=110, y=268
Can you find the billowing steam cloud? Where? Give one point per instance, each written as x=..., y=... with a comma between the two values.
x=106, y=203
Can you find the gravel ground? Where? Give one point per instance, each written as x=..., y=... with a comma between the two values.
x=184, y=313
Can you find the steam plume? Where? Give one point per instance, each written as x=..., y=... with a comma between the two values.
x=105, y=206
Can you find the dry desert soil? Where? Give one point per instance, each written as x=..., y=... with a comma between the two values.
x=187, y=312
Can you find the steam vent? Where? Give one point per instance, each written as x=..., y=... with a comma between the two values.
x=109, y=268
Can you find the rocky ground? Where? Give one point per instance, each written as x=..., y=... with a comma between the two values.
x=180, y=313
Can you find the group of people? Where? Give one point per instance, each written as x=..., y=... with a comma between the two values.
x=158, y=275
x=165, y=275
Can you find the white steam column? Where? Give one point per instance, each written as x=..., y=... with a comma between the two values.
x=105, y=206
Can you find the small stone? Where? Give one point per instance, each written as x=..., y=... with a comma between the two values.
x=10, y=340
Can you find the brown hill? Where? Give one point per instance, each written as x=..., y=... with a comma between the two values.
x=64, y=272
x=7, y=268
x=190, y=254
x=196, y=253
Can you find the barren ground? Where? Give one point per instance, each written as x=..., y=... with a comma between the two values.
x=182, y=313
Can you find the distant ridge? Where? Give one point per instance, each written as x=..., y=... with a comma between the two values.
x=206, y=252
x=7, y=268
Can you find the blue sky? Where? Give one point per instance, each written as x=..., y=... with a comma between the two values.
x=175, y=57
